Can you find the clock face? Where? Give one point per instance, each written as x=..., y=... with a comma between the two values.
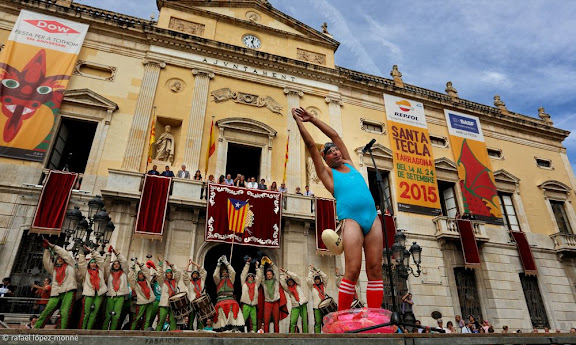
x=251, y=41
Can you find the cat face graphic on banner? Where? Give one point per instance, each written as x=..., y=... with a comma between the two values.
x=35, y=67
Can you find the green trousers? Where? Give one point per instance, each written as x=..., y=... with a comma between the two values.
x=143, y=315
x=90, y=307
x=66, y=301
x=191, y=317
x=317, y=321
x=154, y=311
x=162, y=314
x=113, y=312
x=299, y=311
x=249, y=311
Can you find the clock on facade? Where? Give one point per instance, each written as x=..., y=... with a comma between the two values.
x=251, y=41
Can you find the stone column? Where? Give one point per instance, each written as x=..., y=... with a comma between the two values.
x=294, y=168
x=335, y=105
x=221, y=154
x=141, y=122
x=193, y=147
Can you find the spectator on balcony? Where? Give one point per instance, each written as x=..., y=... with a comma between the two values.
x=407, y=305
x=229, y=181
x=450, y=327
x=298, y=191
x=197, y=176
x=167, y=172
x=307, y=191
x=473, y=321
x=240, y=181
x=274, y=187
x=183, y=173
x=222, y=179
x=573, y=330
x=504, y=329
x=153, y=171
x=43, y=292
x=211, y=179
x=283, y=188
x=485, y=325
x=262, y=185
x=252, y=183
x=460, y=323
x=378, y=211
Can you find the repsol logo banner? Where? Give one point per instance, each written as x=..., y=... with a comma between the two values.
x=405, y=111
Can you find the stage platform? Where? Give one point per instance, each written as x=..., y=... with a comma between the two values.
x=78, y=337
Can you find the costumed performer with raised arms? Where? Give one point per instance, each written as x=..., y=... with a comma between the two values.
x=354, y=205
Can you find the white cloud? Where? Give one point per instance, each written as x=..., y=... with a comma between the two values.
x=496, y=79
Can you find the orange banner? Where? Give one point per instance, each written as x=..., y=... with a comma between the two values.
x=414, y=169
x=35, y=67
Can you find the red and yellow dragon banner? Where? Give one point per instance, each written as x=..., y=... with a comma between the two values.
x=35, y=67
x=474, y=169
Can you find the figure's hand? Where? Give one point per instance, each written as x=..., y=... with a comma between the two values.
x=257, y=264
x=312, y=268
x=337, y=271
x=301, y=114
x=45, y=243
x=281, y=269
x=248, y=259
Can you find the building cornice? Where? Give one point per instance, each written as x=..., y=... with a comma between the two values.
x=139, y=29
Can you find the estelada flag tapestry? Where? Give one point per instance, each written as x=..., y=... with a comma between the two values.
x=252, y=217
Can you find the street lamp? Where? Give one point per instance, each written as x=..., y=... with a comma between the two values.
x=80, y=227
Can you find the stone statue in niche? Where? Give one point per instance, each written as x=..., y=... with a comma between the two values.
x=312, y=176
x=165, y=146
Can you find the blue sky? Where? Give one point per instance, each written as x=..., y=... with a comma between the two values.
x=522, y=50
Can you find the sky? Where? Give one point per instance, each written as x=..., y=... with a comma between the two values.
x=522, y=50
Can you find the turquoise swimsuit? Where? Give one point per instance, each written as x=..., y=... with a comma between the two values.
x=353, y=198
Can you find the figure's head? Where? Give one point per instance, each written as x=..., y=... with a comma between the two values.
x=169, y=274
x=298, y=190
x=307, y=188
x=290, y=282
x=274, y=185
x=250, y=278
x=59, y=260
x=449, y=324
x=198, y=173
x=332, y=155
x=228, y=176
x=269, y=274
x=116, y=265
x=183, y=167
x=141, y=275
x=440, y=322
x=195, y=275
x=154, y=167
x=283, y=185
x=167, y=128
x=208, y=322
x=211, y=178
x=221, y=179
x=317, y=280
x=47, y=281
x=417, y=322
x=458, y=318
x=253, y=179
x=262, y=181
x=92, y=264
x=224, y=272
x=471, y=318
x=167, y=168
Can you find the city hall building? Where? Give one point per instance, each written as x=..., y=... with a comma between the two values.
x=237, y=68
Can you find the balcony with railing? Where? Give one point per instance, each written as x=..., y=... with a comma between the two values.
x=446, y=228
x=564, y=242
x=128, y=185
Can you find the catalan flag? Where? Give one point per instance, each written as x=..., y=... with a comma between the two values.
x=152, y=139
x=237, y=212
x=286, y=159
x=211, y=146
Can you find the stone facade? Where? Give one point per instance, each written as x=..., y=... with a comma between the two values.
x=212, y=60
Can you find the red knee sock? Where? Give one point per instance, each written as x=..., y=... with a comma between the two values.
x=346, y=294
x=374, y=293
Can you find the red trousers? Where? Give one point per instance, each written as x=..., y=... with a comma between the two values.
x=272, y=309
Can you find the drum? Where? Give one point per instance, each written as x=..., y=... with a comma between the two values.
x=356, y=304
x=203, y=308
x=180, y=304
x=327, y=306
